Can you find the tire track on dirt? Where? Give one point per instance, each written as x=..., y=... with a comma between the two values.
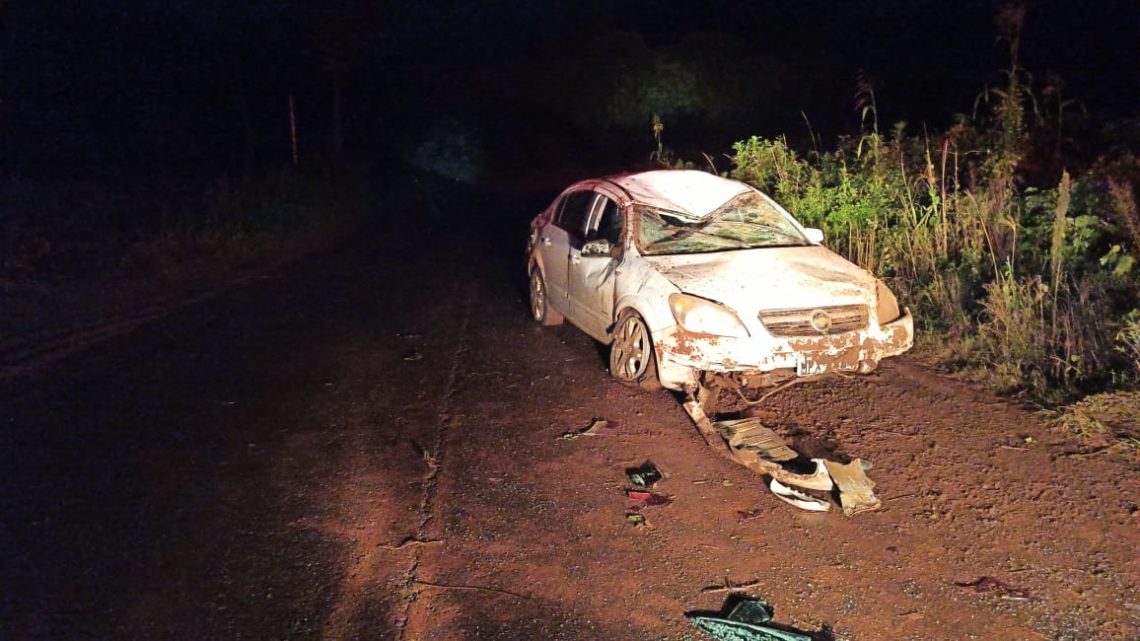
x=435, y=459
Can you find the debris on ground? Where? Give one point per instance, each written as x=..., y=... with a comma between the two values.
x=639, y=499
x=705, y=427
x=747, y=515
x=797, y=498
x=413, y=356
x=638, y=521
x=597, y=427
x=750, y=443
x=986, y=584
x=751, y=434
x=645, y=475
x=856, y=491
x=729, y=586
x=746, y=621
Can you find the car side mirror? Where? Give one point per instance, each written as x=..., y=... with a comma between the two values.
x=600, y=247
x=814, y=236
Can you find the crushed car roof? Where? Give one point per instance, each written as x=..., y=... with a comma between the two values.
x=696, y=193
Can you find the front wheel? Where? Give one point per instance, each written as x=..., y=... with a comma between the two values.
x=632, y=360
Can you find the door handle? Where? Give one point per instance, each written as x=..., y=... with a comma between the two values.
x=546, y=242
x=575, y=258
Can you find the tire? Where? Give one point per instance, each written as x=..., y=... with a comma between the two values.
x=540, y=309
x=632, y=359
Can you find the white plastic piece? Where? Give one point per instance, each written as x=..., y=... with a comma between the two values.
x=796, y=498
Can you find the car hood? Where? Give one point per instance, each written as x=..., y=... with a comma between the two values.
x=769, y=278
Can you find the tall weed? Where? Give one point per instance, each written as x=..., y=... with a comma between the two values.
x=1034, y=286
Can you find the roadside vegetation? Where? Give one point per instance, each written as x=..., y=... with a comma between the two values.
x=1018, y=256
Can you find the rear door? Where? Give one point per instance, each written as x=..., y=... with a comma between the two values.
x=591, y=277
x=565, y=231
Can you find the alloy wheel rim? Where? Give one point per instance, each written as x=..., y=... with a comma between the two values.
x=631, y=349
x=537, y=296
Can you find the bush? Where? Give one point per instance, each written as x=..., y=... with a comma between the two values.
x=1036, y=287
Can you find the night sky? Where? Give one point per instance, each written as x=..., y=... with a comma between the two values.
x=171, y=82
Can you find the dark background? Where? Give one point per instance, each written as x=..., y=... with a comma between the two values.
x=162, y=85
x=187, y=456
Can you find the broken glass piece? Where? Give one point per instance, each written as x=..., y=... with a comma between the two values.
x=645, y=475
x=744, y=623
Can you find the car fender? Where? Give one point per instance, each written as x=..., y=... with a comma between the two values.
x=535, y=262
x=652, y=305
x=646, y=292
x=534, y=256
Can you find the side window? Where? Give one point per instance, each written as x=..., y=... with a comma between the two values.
x=573, y=212
x=608, y=223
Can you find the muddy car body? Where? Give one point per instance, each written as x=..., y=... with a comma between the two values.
x=690, y=276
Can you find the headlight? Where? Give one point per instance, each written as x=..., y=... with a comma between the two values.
x=888, y=305
x=701, y=316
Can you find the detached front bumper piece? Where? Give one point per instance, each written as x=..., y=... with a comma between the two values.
x=751, y=444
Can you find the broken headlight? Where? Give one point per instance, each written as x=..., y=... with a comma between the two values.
x=888, y=305
x=702, y=316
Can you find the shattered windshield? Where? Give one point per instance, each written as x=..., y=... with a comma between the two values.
x=746, y=221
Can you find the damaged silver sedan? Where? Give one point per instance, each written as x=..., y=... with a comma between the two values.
x=690, y=277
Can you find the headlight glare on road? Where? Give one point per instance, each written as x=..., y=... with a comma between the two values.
x=702, y=316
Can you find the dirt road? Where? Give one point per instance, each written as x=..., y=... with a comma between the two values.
x=367, y=446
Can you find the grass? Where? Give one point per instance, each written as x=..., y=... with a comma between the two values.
x=1026, y=278
x=1110, y=415
x=1034, y=285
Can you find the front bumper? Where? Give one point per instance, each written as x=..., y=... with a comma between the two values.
x=682, y=356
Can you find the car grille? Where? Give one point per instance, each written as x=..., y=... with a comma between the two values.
x=798, y=322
